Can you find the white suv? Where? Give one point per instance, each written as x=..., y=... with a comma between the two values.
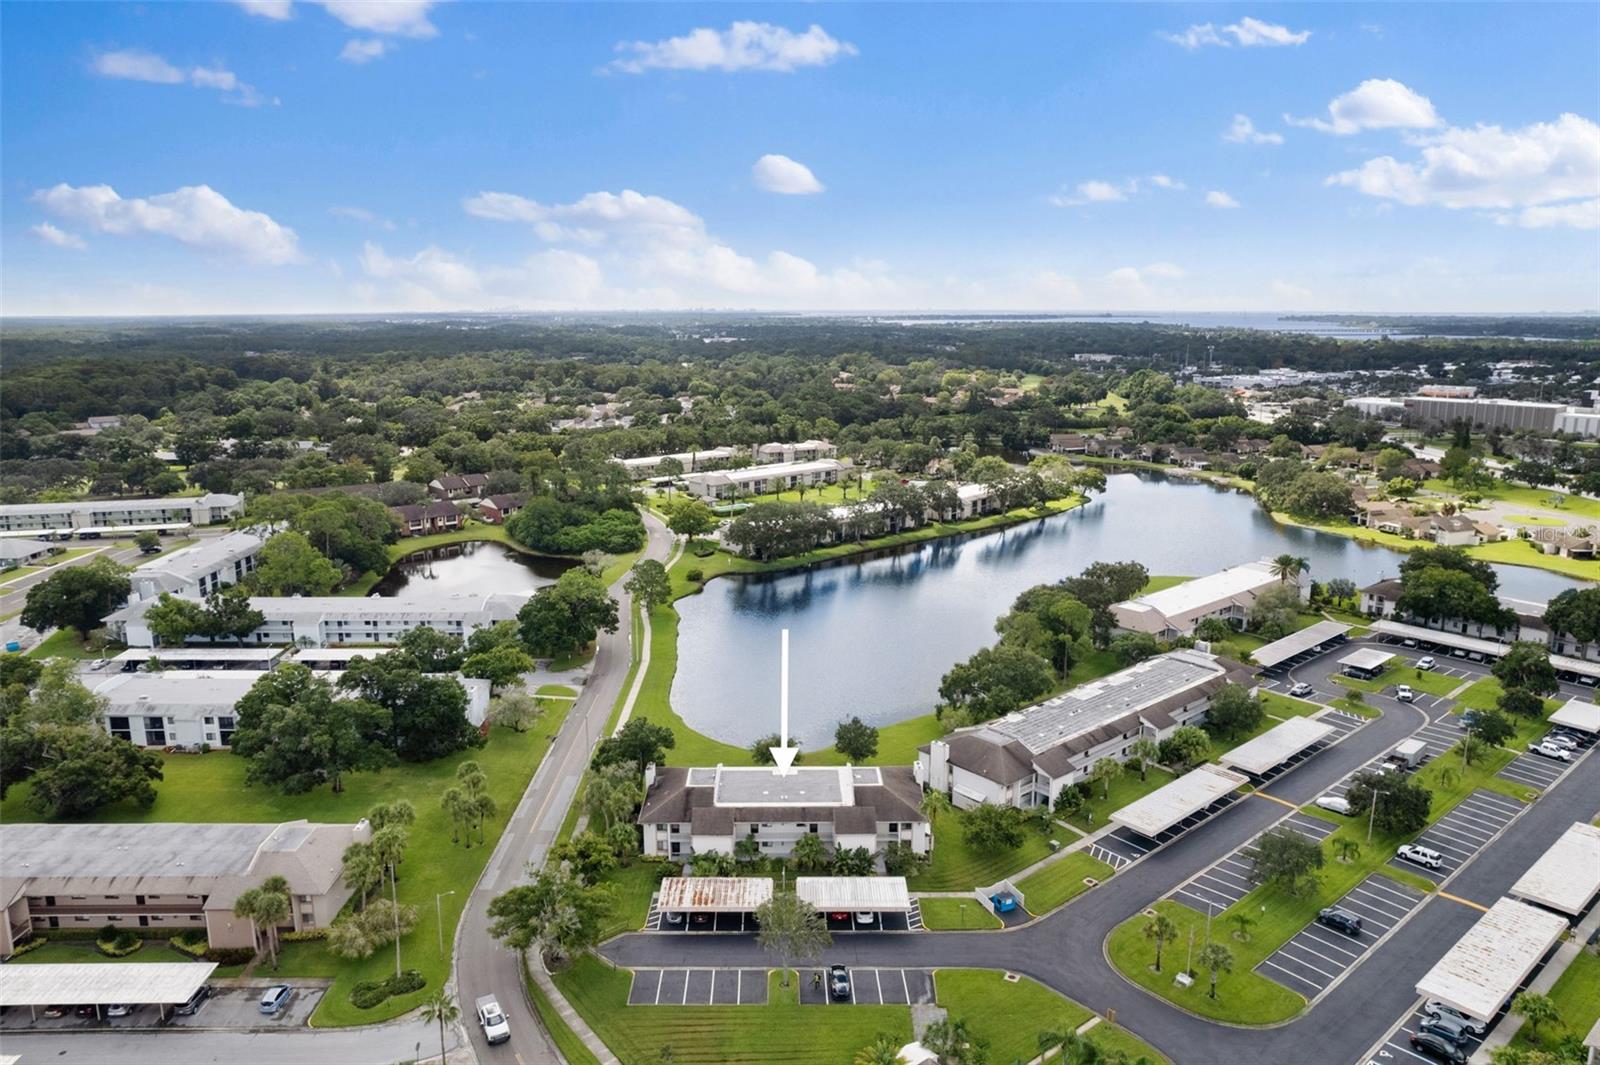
x=1411, y=852
x=496, y=1029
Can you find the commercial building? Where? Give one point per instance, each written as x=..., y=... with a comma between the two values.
x=119, y=515
x=1579, y=421
x=1026, y=758
x=646, y=466
x=804, y=451
x=1380, y=407
x=756, y=480
x=333, y=620
x=167, y=876
x=1229, y=595
x=1506, y=414
x=199, y=569
x=1488, y=964
x=1567, y=877
x=689, y=811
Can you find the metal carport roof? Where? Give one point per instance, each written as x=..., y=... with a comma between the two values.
x=160, y=983
x=714, y=894
x=878, y=894
x=1568, y=875
x=1489, y=963
x=1579, y=714
x=1279, y=651
x=1366, y=659
x=1278, y=744
x=1171, y=803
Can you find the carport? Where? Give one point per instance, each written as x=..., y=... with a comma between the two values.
x=1454, y=640
x=159, y=984
x=1490, y=962
x=1277, y=745
x=1567, y=878
x=1278, y=652
x=1171, y=803
x=1578, y=715
x=1366, y=662
x=722, y=902
x=885, y=896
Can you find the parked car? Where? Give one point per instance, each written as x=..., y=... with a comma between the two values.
x=1337, y=803
x=1561, y=739
x=1426, y=662
x=839, y=982
x=1413, y=852
x=1467, y=718
x=496, y=1029
x=119, y=1009
x=1446, y=1028
x=1458, y=653
x=866, y=917
x=55, y=1011
x=1340, y=920
x=1552, y=750
x=1475, y=656
x=1434, y=1008
x=1408, y=642
x=86, y=1011
x=674, y=917
x=1437, y=1046
x=700, y=920
x=1404, y=693
x=275, y=998
x=1301, y=690
x=196, y=1000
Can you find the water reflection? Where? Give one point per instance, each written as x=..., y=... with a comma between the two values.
x=477, y=567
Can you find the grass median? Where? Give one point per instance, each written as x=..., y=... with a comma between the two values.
x=1009, y=1014
x=1061, y=881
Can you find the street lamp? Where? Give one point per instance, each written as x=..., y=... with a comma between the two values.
x=1373, y=812
x=438, y=912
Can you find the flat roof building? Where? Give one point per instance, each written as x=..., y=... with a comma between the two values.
x=851, y=894
x=1298, y=643
x=16, y=551
x=1277, y=745
x=713, y=894
x=104, y=514
x=161, y=983
x=1229, y=595
x=1489, y=963
x=1171, y=803
x=1578, y=714
x=1567, y=877
x=1366, y=662
x=209, y=658
x=756, y=480
x=648, y=465
x=199, y=569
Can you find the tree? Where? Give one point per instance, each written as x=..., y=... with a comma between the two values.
x=427, y=715
x=990, y=827
x=501, y=666
x=76, y=769
x=289, y=565
x=76, y=597
x=1244, y=921
x=360, y=934
x=1340, y=589
x=555, y=912
x=809, y=852
x=1160, y=930
x=1520, y=702
x=1188, y=746
x=1288, y=568
x=1212, y=629
x=1146, y=750
x=1526, y=665
x=649, y=584
x=771, y=530
x=440, y=1007
x=883, y=1050
x=1575, y=613
x=852, y=861
x=1132, y=647
x=515, y=710
x=589, y=855
x=856, y=740
x=1217, y=959
x=792, y=930
x=1536, y=1009
x=612, y=794
x=297, y=735
x=1492, y=727
x=1103, y=772
x=147, y=541
x=996, y=681
x=1276, y=611
x=265, y=907
x=901, y=859
x=639, y=742
x=566, y=616
x=761, y=749
x=1286, y=858
x=690, y=517
x=1102, y=584
x=1233, y=711
x=432, y=651
x=952, y=1042
x=1403, y=804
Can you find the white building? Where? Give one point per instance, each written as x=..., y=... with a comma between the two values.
x=199, y=569
x=804, y=451
x=646, y=465
x=1229, y=595
x=334, y=620
x=114, y=515
x=1579, y=421
x=1380, y=407
x=756, y=480
x=1026, y=758
x=16, y=552
x=691, y=811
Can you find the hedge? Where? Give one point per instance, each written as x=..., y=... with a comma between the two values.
x=368, y=993
x=229, y=955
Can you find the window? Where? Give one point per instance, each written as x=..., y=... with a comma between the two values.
x=155, y=732
x=225, y=730
x=118, y=727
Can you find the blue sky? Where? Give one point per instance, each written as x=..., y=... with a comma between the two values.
x=286, y=156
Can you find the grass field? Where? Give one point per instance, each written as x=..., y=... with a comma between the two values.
x=1535, y=519
x=208, y=788
x=1419, y=679
x=634, y=886
x=63, y=643
x=1511, y=552
x=571, y=1048
x=1061, y=881
x=1124, y=789
x=1277, y=705
x=83, y=952
x=1577, y=996
x=950, y=915
x=1010, y=1014
x=782, y=1032
x=1543, y=498
x=1485, y=694
x=957, y=866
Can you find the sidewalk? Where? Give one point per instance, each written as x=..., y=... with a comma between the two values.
x=573, y=1020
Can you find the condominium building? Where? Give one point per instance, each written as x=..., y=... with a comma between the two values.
x=162, y=876
x=199, y=569
x=755, y=480
x=804, y=451
x=333, y=620
x=1229, y=595
x=646, y=466
x=119, y=515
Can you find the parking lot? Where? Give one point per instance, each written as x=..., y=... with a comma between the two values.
x=1537, y=771
x=1462, y=832
x=1317, y=956
x=658, y=920
x=230, y=1007
x=698, y=987
x=870, y=987
x=1123, y=846
x=1227, y=881
x=1397, y=1049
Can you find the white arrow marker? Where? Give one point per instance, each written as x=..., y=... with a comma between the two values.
x=783, y=754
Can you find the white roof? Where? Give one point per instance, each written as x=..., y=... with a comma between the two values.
x=167, y=983
x=1489, y=963
x=1276, y=745
x=1298, y=642
x=880, y=894
x=199, y=654
x=715, y=894
x=762, y=473
x=1368, y=658
x=1568, y=875
x=1563, y=663
x=197, y=560
x=1171, y=803
x=1203, y=594
x=176, y=688
x=19, y=548
x=1579, y=714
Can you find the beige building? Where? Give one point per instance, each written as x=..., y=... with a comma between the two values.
x=167, y=877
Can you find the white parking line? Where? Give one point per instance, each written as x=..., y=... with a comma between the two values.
x=1378, y=904
x=1311, y=932
x=1292, y=975
x=1376, y=884
x=1316, y=954
x=1283, y=951
x=905, y=985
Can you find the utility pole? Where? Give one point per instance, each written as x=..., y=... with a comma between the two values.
x=438, y=912
x=1372, y=813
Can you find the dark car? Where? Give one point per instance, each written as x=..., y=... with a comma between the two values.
x=839, y=982
x=1340, y=921
x=196, y=1000
x=1437, y=1046
x=1446, y=1028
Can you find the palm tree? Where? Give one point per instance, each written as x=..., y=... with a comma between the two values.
x=1146, y=750
x=1218, y=959
x=1105, y=770
x=1288, y=567
x=483, y=807
x=455, y=805
x=265, y=907
x=1244, y=921
x=1162, y=931
x=1348, y=849
x=884, y=1050
x=1448, y=776
x=1536, y=1009
x=362, y=872
x=934, y=804
x=440, y=1007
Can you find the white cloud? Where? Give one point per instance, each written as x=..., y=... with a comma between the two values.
x=400, y=18
x=1377, y=103
x=430, y=273
x=276, y=10
x=1093, y=192
x=1246, y=33
x=195, y=215
x=134, y=64
x=779, y=173
x=1162, y=181
x=1549, y=170
x=1221, y=200
x=361, y=214
x=360, y=50
x=742, y=46
x=1284, y=292
x=59, y=237
x=1243, y=131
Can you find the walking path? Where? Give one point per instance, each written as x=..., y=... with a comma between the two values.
x=574, y=1020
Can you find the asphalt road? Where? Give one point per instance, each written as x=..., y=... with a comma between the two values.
x=14, y=595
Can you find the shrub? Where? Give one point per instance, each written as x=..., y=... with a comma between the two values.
x=229, y=955
x=28, y=945
x=304, y=936
x=696, y=575
x=368, y=993
x=124, y=942
x=194, y=945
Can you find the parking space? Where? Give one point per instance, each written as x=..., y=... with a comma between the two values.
x=1317, y=955
x=1124, y=846
x=870, y=987
x=1228, y=880
x=1537, y=771
x=1397, y=1049
x=698, y=987
x=658, y=920
x=1461, y=833
x=865, y=922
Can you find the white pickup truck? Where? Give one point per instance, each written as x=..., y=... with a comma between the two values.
x=496, y=1029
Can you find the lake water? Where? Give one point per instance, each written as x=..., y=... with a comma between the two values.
x=872, y=637
x=476, y=567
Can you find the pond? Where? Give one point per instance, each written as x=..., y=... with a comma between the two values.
x=476, y=567
x=872, y=637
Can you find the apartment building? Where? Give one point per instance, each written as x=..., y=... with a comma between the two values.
x=199, y=569
x=756, y=480
x=1229, y=595
x=333, y=620
x=804, y=451
x=646, y=466
x=119, y=515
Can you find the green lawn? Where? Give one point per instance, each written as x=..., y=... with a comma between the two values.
x=959, y=867
x=200, y=788
x=1124, y=789
x=1010, y=1014
x=1534, y=519
x=1061, y=881
x=950, y=915
x=1577, y=995
x=634, y=886
x=83, y=952
x=63, y=643
x=1420, y=679
x=18, y=572
x=1277, y=705
x=782, y=1031
x=571, y=1048
x=1524, y=553
x=1484, y=694
x=1543, y=498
